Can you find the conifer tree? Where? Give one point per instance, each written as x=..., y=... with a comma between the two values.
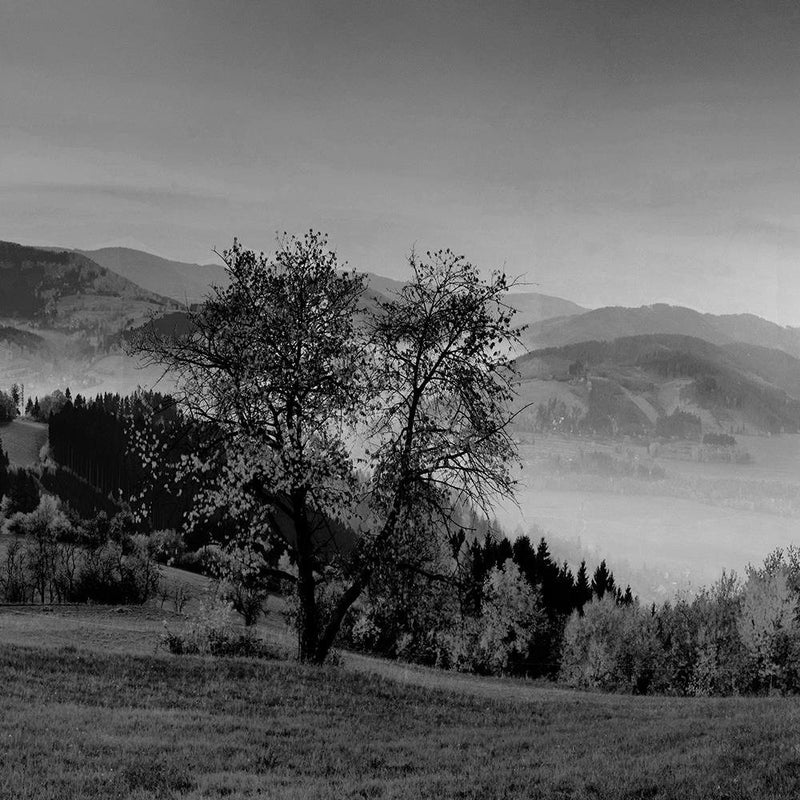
x=602, y=581
x=583, y=589
x=627, y=597
x=4, y=462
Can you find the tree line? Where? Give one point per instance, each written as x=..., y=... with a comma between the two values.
x=504, y=610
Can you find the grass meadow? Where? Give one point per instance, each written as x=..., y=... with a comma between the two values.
x=22, y=439
x=111, y=717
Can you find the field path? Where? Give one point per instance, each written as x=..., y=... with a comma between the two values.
x=506, y=689
x=643, y=406
x=23, y=439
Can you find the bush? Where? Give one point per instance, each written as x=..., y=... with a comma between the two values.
x=166, y=547
x=404, y=616
x=719, y=440
x=211, y=633
x=246, y=582
x=511, y=616
x=108, y=576
x=612, y=647
x=205, y=561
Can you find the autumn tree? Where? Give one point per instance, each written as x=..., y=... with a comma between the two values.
x=347, y=439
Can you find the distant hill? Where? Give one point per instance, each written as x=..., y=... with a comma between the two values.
x=533, y=307
x=606, y=324
x=61, y=316
x=179, y=280
x=70, y=292
x=627, y=384
x=774, y=366
x=385, y=287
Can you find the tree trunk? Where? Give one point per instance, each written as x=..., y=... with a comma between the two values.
x=308, y=615
x=307, y=612
x=328, y=635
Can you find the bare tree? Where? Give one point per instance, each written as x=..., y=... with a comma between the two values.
x=324, y=429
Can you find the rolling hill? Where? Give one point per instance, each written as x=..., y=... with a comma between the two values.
x=67, y=291
x=64, y=315
x=532, y=307
x=187, y=283
x=613, y=322
x=627, y=384
x=61, y=315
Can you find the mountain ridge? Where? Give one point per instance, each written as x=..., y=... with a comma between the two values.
x=612, y=322
x=67, y=290
x=181, y=281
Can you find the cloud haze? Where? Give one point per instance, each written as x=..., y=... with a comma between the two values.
x=614, y=152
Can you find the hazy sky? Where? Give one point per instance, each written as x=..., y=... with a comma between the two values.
x=611, y=152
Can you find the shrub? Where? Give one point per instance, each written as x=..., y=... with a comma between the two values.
x=166, y=547
x=769, y=631
x=205, y=561
x=108, y=576
x=612, y=647
x=245, y=583
x=211, y=633
x=719, y=439
x=511, y=616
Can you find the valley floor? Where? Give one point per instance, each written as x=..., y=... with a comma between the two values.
x=90, y=708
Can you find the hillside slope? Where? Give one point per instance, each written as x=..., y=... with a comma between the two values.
x=179, y=280
x=605, y=324
x=22, y=439
x=626, y=384
x=533, y=307
x=68, y=291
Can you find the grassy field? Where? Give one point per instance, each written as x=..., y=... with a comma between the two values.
x=22, y=439
x=92, y=721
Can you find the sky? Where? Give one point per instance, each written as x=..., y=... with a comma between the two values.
x=612, y=152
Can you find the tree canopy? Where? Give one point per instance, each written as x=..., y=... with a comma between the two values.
x=346, y=431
